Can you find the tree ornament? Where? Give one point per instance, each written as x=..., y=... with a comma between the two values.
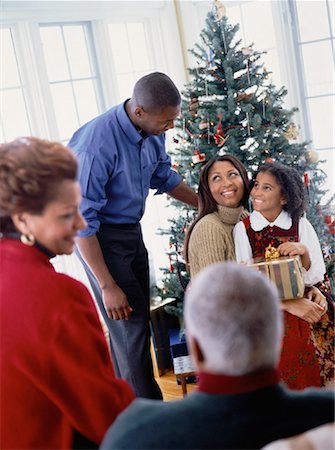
x=193, y=106
x=203, y=125
x=247, y=51
x=219, y=136
x=306, y=179
x=269, y=160
x=243, y=97
x=198, y=157
x=220, y=9
x=248, y=123
x=311, y=156
x=291, y=132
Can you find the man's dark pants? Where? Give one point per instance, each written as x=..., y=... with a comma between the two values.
x=127, y=260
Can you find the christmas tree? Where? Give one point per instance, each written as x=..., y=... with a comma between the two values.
x=231, y=106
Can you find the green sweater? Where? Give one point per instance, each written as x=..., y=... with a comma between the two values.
x=211, y=240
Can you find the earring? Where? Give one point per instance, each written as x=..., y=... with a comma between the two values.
x=28, y=239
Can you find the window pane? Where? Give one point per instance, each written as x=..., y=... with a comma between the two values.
x=258, y=25
x=318, y=68
x=14, y=116
x=9, y=74
x=120, y=48
x=64, y=109
x=86, y=100
x=313, y=20
x=138, y=46
x=54, y=53
x=322, y=121
x=126, y=84
x=77, y=51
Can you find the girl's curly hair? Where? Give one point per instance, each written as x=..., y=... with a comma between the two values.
x=292, y=187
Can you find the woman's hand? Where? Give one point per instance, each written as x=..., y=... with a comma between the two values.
x=304, y=308
x=296, y=248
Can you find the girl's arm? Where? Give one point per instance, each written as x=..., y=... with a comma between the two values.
x=242, y=245
x=310, y=251
x=296, y=248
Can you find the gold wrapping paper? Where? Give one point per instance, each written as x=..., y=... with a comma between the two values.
x=285, y=272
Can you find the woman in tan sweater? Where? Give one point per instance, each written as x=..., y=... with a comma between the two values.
x=223, y=192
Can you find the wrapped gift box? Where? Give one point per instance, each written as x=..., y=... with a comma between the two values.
x=285, y=272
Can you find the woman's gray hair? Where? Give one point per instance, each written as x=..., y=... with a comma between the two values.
x=233, y=312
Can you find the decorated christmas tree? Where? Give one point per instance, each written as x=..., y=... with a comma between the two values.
x=231, y=106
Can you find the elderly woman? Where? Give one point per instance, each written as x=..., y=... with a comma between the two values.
x=58, y=388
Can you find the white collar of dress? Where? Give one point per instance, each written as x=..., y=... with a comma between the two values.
x=258, y=222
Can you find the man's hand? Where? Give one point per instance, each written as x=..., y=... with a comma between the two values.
x=116, y=303
x=304, y=308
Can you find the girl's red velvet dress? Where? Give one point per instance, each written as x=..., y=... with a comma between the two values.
x=299, y=367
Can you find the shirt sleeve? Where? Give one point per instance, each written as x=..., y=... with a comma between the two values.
x=308, y=237
x=164, y=178
x=242, y=245
x=93, y=175
x=82, y=382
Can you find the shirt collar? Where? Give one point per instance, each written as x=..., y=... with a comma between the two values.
x=258, y=221
x=224, y=384
x=127, y=125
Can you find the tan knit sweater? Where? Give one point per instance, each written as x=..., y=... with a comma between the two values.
x=211, y=240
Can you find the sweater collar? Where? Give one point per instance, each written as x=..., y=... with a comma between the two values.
x=230, y=216
x=225, y=384
x=258, y=222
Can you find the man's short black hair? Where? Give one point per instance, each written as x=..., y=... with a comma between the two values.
x=156, y=91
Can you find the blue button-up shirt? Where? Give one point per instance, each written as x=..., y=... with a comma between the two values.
x=117, y=166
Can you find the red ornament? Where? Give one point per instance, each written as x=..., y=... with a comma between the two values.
x=219, y=136
x=198, y=157
x=306, y=179
x=269, y=160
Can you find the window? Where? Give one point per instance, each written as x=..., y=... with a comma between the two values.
x=314, y=46
x=130, y=54
x=14, y=118
x=71, y=75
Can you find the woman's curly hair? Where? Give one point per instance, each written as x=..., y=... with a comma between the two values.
x=292, y=187
x=31, y=169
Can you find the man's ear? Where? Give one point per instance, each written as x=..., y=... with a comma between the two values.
x=196, y=352
x=139, y=112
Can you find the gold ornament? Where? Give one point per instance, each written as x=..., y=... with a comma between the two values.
x=27, y=239
x=271, y=252
x=311, y=156
x=291, y=132
x=220, y=9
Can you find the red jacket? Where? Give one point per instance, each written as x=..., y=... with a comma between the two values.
x=56, y=373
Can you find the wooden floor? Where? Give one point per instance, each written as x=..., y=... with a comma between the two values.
x=171, y=390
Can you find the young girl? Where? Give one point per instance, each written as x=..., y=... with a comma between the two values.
x=278, y=199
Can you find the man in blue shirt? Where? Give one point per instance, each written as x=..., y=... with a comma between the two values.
x=121, y=156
